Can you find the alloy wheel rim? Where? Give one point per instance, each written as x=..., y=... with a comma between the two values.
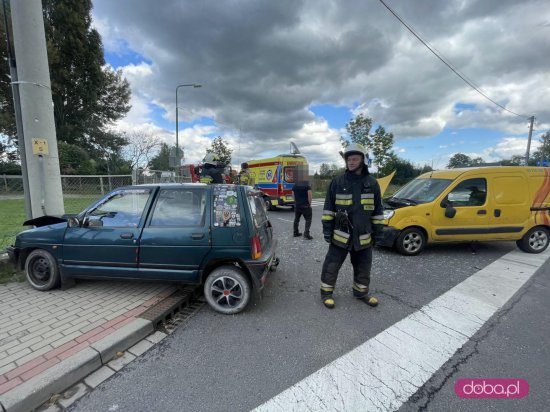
x=538, y=240
x=412, y=242
x=227, y=292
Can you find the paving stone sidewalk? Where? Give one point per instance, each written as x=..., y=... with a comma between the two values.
x=39, y=330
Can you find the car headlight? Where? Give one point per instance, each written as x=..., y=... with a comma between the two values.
x=388, y=214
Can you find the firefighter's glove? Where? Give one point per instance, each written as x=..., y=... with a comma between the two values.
x=327, y=237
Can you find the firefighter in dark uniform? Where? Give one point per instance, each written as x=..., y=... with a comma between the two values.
x=210, y=171
x=352, y=216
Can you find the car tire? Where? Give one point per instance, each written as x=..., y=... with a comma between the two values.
x=411, y=241
x=268, y=205
x=227, y=290
x=41, y=270
x=535, y=240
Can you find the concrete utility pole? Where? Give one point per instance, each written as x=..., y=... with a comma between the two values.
x=42, y=161
x=532, y=120
x=17, y=111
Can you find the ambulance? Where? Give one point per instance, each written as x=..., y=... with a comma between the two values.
x=275, y=178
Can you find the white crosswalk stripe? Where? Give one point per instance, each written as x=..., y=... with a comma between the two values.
x=317, y=202
x=383, y=372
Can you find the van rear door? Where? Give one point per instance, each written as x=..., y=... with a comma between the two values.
x=510, y=211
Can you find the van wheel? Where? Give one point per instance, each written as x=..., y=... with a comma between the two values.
x=227, y=290
x=41, y=270
x=268, y=204
x=534, y=241
x=410, y=242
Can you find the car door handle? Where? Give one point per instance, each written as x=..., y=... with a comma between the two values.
x=197, y=236
x=482, y=212
x=126, y=235
x=497, y=212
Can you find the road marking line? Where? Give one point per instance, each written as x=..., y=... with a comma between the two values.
x=386, y=370
x=285, y=220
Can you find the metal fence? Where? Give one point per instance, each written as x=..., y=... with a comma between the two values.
x=71, y=184
x=78, y=192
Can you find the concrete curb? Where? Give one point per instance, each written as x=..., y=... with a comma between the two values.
x=37, y=390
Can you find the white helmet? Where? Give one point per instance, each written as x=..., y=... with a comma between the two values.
x=211, y=158
x=356, y=148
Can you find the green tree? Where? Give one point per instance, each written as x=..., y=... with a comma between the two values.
x=9, y=159
x=220, y=148
x=543, y=152
x=515, y=160
x=88, y=96
x=459, y=160
x=328, y=171
x=7, y=117
x=404, y=169
x=379, y=143
x=74, y=160
x=161, y=160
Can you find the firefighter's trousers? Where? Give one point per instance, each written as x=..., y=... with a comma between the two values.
x=361, y=261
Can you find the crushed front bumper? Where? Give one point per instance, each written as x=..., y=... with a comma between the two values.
x=13, y=254
x=387, y=236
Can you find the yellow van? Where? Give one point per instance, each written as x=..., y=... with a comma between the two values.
x=470, y=204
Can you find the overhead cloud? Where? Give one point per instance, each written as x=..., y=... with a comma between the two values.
x=263, y=64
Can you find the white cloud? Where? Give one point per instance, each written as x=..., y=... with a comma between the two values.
x=263, y=63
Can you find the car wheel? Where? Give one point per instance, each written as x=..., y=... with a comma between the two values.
x=227, y=290
x=268, y=204
x=41, y=270
x=535, y=240
x=410, y=242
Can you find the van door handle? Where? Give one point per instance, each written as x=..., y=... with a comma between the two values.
x=497, y=212
x=197, y=236
x=126, y=235
x=481, y=212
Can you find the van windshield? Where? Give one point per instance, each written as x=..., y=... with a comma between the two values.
x=419, y=191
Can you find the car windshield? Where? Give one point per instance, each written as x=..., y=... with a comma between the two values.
x=420, y=191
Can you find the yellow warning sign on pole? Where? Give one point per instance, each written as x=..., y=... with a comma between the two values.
x=40, y=147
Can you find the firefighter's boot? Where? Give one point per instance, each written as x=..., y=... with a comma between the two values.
x=361, y=292
x=326, y=295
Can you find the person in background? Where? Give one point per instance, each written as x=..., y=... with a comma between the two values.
x=245, y=178
x=210, y=171
x=302, y=202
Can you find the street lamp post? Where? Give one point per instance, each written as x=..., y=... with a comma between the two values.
x=177, y=124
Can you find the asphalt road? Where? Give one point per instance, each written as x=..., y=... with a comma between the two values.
x=215, y=362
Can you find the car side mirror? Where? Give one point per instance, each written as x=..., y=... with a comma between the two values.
x=73, y=222
x=450, y=211
x=95, y=223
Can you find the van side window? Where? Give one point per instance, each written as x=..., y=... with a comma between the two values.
x=471, y=192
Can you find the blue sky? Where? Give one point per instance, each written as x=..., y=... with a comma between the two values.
x=299, y=71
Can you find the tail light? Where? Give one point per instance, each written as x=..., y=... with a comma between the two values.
x=256, y=247
x=281, y=188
